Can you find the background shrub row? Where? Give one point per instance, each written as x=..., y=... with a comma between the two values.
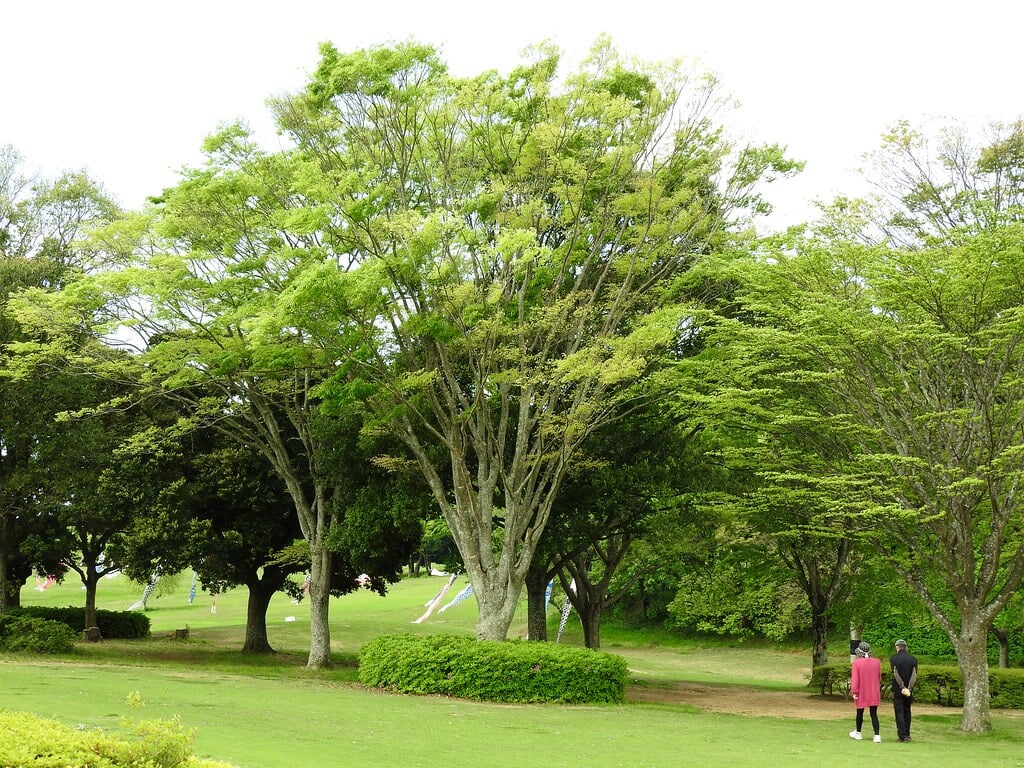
x=123, y=625
x=512, y=671
x=935, y=685
x=930, y=641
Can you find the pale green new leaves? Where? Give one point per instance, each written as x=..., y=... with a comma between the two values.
x=623, y=359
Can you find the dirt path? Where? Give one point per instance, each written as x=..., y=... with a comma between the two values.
x=755, y=701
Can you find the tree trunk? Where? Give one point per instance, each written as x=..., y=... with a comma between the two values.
x=319, y=605
x=819, y=638
x=497, y=597
x=591, y=595
x=856, y=629
x=256, y=640
x=6, y=534
x=91, y=580
x=591, y=620
x=496, y=576
x=972, y=655
x=588, y=600
x=1003, y=636
x=537, y=579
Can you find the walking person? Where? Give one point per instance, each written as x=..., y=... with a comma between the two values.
x=904, y=678
x=866, y=687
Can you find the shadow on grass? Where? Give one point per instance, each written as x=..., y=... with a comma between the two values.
x=198, y=653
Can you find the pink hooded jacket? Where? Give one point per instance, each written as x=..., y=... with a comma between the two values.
x=866, y=681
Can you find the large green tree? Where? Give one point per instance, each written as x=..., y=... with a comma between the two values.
x=897, y=323
x=499, y=259
x=194, y=290
x=203, y=501
x=782, y=474
x=917, y=357
x=194, y=287
x=40, y=224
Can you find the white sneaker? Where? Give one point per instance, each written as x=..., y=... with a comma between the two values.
x=855, y=735
x=877, y=739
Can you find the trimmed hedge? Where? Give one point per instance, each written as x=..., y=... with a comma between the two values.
x=512, y=671
x=123, y=625
x=941, y=685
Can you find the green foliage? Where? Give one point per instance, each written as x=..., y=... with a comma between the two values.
x=929, y=641
x=125, y=625
x=926, y=640
x=378, y=531
x=30, y=740
x=27, y=634
x=938, y=187
x=1006, y=688
x=730, y=599
x=512, y=671
x=157, y=743
x=903, y=367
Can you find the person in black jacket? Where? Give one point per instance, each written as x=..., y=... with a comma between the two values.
x=904, y=678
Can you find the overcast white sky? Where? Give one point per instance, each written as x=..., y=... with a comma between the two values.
x=127, y=89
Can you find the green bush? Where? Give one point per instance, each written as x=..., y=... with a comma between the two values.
x=1006, y=688
x=929, y=641
x=513, y=671
x=30, y=740
x=941, y=685
x=122, y=625
x=926, y=640
x=27, y=634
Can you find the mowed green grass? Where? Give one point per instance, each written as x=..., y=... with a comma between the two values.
x=263, y=713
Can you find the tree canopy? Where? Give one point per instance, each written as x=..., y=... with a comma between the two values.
x=500, y=253
x=913, y=356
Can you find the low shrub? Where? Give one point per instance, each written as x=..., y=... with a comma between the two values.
x=122, y=625
x=27, y=634
x=941, y=685
x=512, y=671
x=30, y=740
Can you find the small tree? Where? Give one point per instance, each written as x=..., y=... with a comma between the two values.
x=77, y=463
x=622, y=473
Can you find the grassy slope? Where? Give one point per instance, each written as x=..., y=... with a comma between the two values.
x=267, y=713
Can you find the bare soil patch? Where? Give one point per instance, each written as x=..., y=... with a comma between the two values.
x=741, y=700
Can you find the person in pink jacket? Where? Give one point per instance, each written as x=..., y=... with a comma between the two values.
x=866, y=687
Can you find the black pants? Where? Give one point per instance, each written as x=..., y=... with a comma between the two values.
x=901, y=704
x=874, y=718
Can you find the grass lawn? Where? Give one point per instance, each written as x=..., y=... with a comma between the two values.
x=264, y=713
